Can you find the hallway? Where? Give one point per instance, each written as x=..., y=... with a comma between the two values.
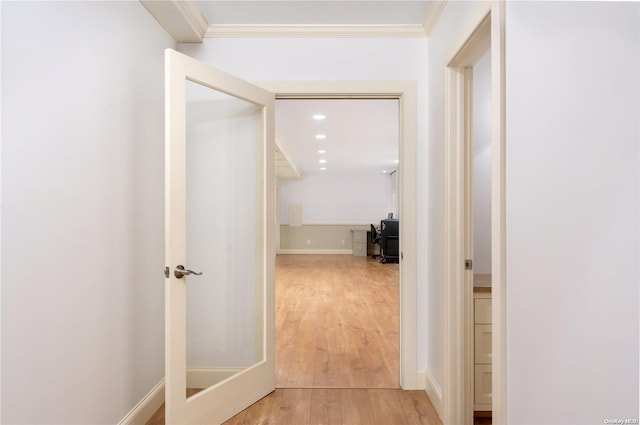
x=337, y=340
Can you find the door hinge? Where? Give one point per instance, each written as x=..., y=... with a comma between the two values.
x=166, y=272
x=468, y=264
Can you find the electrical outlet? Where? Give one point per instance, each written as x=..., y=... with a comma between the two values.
x=343, y=242
x=308, y=241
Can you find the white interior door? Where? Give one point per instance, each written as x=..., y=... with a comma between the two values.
x=219, y=222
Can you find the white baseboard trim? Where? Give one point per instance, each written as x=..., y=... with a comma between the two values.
x=420, y=379
x=315, y=251
x=196, y=378
x=433, y=391
x=144, y=410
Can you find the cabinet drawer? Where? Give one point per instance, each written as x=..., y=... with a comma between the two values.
x=359, y=249
x=482, y=310
x=482, y=342
x=359, y=236
x=482, y=390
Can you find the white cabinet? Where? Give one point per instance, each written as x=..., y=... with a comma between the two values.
x=482, y=343
x=482, y=384
x=482, y=349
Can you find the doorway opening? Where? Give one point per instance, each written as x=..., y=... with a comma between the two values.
x=405, y=94
x=337, y=297
x=465, y=367
x=479, y=209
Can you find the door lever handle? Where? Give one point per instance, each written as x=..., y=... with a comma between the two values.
x=180, y=272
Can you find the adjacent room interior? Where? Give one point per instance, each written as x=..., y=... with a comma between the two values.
x=337, y=297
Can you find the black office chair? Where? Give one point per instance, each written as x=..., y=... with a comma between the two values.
x=375, y=239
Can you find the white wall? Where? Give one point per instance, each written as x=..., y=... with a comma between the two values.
x=395, y=197
x=1, y=208
x=82, y=210
x=277, y=59
x=573, y=170
x=339, y=198
x=482, y=165
x=444, y=38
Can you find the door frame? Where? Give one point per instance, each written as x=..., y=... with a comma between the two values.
x=406, y=94
x=485, y=30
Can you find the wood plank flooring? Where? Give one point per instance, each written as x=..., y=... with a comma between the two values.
x=332, y=406
x=337, y=322
x=337, y=348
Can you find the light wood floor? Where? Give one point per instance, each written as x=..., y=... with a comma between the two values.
x=333, y=406
x=337, y=338
x=340, y=407
x=337, y=322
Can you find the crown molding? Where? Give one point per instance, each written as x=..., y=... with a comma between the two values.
x=193, y=17
x=311, y=31
x=433, y=15
x=181, y=19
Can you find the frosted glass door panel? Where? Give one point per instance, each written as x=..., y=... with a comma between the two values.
x=223, y=330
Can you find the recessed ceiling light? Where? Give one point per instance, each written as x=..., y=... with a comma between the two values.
x=323, y=168
x=396, y=161
x=322, y=161
x=319, y=117
x=322, y=151
x=321, y=136
x=384, y=171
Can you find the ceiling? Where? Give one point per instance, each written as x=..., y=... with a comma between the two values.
x=361, y=135
x=190, y=21
x=325, y=12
